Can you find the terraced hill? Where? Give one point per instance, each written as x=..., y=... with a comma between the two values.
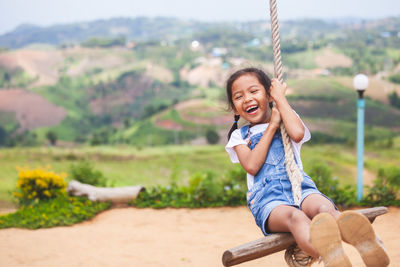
x=159, y=91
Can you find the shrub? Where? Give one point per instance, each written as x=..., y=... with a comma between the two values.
x=52, y=137
x=62, y=210
x=204, y=190
x=235, y=187
x=212, y=136
x=385, y=188
x=395, y=78
x=322, y=176
x=38, y=184
x=84, y=172
x=394, y=99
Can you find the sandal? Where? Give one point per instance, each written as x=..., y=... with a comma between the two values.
x=326, y=239
x=356, y=230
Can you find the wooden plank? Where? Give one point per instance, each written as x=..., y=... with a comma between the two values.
x=277, y=242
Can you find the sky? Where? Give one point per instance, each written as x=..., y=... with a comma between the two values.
x=49, y=12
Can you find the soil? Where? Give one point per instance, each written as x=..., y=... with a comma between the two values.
x=167, y=237
x=41, y=64
x=330, y=59
x=31, y=110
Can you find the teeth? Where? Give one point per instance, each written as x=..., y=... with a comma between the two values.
x=251, y=108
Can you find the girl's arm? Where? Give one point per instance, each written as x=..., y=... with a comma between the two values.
x=292, y=122
x=253, y=160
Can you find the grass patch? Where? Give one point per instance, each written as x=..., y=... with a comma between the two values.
x=322, y=87
x=121, y=165
x=304, y=60
x=60, y=211
x=152, y=166
x=8, y=121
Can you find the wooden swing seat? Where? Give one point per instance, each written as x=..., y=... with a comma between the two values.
x=277, y=242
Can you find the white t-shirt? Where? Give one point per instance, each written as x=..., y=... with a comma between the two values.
x=236, y=139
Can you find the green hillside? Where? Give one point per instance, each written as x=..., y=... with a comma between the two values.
x=146, y=89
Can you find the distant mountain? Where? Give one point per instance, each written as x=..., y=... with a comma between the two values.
x=144, y=29
x=171, y=29
x=141, y=28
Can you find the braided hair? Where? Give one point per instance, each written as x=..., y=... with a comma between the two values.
x=263, y=78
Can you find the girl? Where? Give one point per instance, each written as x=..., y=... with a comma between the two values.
x=259, y=149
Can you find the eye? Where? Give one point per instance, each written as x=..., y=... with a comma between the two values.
x=254, y=91
x=237, y=97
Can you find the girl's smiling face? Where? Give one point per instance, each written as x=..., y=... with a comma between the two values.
x=250, y=99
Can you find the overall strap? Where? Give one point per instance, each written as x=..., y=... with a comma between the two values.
x=244, y=131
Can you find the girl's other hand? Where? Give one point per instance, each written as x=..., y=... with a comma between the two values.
x=277, y=89
x=275, y=118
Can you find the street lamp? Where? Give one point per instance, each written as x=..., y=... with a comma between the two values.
x=360, y=83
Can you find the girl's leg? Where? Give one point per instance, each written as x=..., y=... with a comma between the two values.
x=315, y=203
x=324, y=232
x=290, y=219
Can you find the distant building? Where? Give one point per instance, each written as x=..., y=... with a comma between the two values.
x=254, y=43
x=130, y=45
x=219, y=51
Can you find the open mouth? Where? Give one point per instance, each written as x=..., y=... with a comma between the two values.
x=252, y=109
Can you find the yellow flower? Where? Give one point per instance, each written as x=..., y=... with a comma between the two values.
x=16, y=194
x=41, y=183
x=32, y=182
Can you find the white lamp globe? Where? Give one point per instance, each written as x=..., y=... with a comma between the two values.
x=360, y=82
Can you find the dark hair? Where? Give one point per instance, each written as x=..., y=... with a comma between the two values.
x=263, y=78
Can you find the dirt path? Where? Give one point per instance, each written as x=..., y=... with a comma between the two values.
x=146, y=237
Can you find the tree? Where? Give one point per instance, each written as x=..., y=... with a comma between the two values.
x=394, y=99
x=212, y=136
x=52, y=137
x=3, y=136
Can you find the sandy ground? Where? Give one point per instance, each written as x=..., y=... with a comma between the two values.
x=168, y=237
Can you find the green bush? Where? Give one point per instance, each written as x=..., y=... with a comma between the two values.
x=62, y=210
x=385, y=190
x=323, y=138
x=84, y=172
x=104, y=42
x=38, y=184
x=212, y=136
x=235, y=187
x=322, y=176
x=395, y=78
x=52, y=137
x=204, y=190
x=394, y=99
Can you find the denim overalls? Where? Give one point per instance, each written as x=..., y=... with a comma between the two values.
x=272, y=186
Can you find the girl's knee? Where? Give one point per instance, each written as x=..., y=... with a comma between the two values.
x=328, y=209
x=297, y=217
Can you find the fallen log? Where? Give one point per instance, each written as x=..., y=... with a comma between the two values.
x=277, y=242
x=103, y=194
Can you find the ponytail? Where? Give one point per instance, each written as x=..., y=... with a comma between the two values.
x=234, y=126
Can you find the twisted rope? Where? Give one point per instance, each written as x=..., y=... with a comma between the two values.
x=293, y=171
x=294, y=256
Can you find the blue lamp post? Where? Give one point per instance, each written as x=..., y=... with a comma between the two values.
x=360, y=83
